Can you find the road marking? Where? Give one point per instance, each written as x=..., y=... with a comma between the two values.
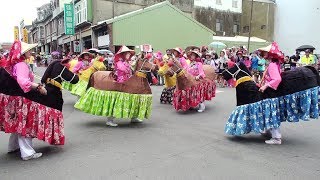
x=218, y=91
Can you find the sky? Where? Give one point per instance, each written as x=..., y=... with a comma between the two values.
x=13, y=11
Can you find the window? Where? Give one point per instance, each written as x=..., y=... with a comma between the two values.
x=218, y=2
x=246, y=29
x=42, y=32
x=263, y=27
x=235, y=3
x=48, y=32
x=60, y=26
x=219, y=25
x=81, y=12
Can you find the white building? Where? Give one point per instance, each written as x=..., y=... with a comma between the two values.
x=234, y=6
x=296, y=23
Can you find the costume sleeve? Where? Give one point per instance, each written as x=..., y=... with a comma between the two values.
x=184, y=63
x=77, y=67
x=121, y=66
x=275, y=77
x=201, y=71
x=22, y=73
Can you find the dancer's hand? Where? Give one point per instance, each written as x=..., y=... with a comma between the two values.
x=43, y=90
x=263, y=88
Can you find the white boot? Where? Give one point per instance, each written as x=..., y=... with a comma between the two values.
x=33, y=156
x=273, y=141
x=136, y=120
x=202, y=107
x=111, y=123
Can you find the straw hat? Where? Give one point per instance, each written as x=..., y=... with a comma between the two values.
x=178, y=49
x=83, y=54
x=195, y=52
x=123, y=50
x=25, y=47
x=208, y=54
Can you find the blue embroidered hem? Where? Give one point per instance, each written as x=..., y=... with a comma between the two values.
x=269, y=113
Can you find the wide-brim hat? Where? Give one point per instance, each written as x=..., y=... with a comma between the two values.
x=208, y=54
x=192, y=48
x=195, y=52
x=83, y=54
x=179, y=50
x=123, y=50
x=93, y=50
x=25, y=47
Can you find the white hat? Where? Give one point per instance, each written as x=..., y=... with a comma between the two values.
x=25, y=47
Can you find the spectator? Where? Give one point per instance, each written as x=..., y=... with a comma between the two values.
x=30, y=61
x=222, y=65
x=287, y=65
x=254, y=66
x=295, y=59
x=307, y=59
x=262, y=66
x=247, y=62
x=208, y=59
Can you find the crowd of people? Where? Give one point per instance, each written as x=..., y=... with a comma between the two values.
x=261, y=73
x=255, y=61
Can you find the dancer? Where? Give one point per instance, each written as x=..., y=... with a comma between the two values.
x=169, y=81
x=196, y=70
x=31, y=110
x=291, y=97
x=127, y=96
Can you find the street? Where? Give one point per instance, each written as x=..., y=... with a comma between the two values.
x=170, y=145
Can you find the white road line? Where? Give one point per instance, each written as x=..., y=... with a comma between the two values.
x=217, y=91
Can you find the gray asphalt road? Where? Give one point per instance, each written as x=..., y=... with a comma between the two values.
x=170, y=145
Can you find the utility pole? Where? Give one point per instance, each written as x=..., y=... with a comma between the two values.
x=250, y=25
x=113, y=8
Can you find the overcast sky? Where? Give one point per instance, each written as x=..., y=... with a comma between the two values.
x=13, y=11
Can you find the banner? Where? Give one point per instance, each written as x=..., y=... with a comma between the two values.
x=146, y=48
x=16, y=33
x=25, y=35
x=68, y=19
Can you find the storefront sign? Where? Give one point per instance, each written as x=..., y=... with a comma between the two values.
x=68, y=19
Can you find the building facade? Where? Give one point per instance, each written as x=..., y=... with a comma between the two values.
x=38, y=33
x=221, y=16
x=263, y=19
x=225, y=17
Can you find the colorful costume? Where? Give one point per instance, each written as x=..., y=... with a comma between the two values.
x=66, y=85
x=84, y=75
x=196, y=69
x=24, y=112
x=122, y=70
x=291, y=97
x=129, y=98
x=191, y=93
x=169, y=82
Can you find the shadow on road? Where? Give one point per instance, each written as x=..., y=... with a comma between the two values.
x=47, y=151
x=123, y=124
